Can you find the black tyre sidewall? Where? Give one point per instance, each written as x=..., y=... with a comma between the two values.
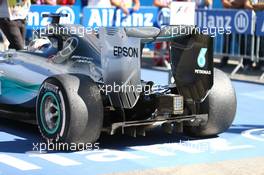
x=64, y=108
x=220, y=105
x=83, y=109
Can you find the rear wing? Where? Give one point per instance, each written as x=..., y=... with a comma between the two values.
x=191, y=55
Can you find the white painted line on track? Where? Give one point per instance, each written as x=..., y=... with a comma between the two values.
x=5, y=137
x=249, y=134
x=154, y=149
x=17, y=163
x=57, y=159
x=257, y=95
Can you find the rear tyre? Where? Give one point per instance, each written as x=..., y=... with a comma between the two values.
x=70, y=109
x=220, y=105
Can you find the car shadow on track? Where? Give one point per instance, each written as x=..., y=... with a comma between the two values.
x=17, y=137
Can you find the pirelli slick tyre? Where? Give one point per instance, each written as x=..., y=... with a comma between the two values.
x=70, y=109
x=220, y=105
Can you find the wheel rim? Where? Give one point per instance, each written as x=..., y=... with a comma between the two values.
x=50, y=112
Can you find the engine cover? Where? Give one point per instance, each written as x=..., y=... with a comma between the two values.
x=120, y=57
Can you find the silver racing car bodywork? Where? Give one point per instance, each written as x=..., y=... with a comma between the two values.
x=110, y=58
x=76, y=85
x=120, y=56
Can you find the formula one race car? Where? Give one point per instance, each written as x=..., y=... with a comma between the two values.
x=76, y=85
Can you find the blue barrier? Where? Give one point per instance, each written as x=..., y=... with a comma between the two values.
x=35, y=20
x=260, y=23
x=239, y=21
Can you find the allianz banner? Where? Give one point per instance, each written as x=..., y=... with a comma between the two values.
x=35, y=19
x=145, y=16
x=260, y=23
x=239, y=21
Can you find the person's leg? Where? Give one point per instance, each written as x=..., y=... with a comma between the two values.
x=4, y=41
x=245, y=49
x=12, y=31
x=226, y=49
x=22, y=27
x=261, y=53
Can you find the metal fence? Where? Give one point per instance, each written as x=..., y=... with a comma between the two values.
x=240, y=47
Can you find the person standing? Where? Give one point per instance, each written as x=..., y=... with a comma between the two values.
x=125, y=4
x=98, y=3
x=65, y=2
x=161, y=54
x=13, y=15
x=45, y=2
x=162, y=3
x=122, y=4
x=199, y=3
x=12, y=21
x=237, y=4
x=203, y=4
x=258, y=5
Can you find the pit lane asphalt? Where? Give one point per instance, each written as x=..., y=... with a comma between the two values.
x=237, y=151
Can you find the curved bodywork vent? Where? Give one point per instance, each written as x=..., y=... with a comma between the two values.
x=111, y=30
